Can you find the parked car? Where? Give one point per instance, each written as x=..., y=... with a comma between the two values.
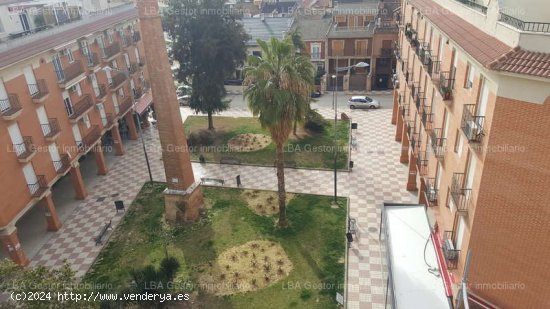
x=316, y=94
x=233, y=82
x=184, y=100
x=362, y=102
x=183, y=90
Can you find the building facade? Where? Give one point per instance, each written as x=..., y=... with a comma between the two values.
x=63, y=96
x=472, y=103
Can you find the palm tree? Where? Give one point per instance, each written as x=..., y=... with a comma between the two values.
x=279, y=86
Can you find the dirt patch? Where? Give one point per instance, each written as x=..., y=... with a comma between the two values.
x=249, y=142
x=248, y=267
x=264, y=203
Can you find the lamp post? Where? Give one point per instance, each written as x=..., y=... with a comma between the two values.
x=335, y=106
x=127, y=74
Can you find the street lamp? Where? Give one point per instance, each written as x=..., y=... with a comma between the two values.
x=127, y=74
x=335, y=105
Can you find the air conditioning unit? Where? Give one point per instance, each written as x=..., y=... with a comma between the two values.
x=472, y=130
x=449, y=250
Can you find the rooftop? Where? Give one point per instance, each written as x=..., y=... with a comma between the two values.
x=366, y=7
x=266, y=28
x=312, y=27
x=336, y=32
x=524, y=62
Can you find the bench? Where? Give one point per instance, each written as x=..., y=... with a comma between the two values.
x=352, y=226
x=218, y=181
x=230, y=160
x=99, y=238
x=290, y=164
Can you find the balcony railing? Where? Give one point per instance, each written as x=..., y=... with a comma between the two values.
x=10, y=105
x=81, y=107
x=472, y=126
x=133, y=68
x=100, y=91
x=410, y=33
x=117, y=80
x=433, y=67
x=419, y=100
x=111, y=50
x=449, y=251
x=422, y=163
x=404, y=111
x=136, y=36
x=315, y=56
x=70, y=72
x=25, y=148
x=125, y=106
x=415, y=139
x=126, y=40
x=427, y=117
x=438, y=142
x=92, y=59
x=460, y=195
x=137, y=92
x=39, y=90
x=63, y=165
x=524, y=25
x=39, y=187
x=474, y=5
x=432, y=193
x=446, y=84
x=50, y=129
x=91, y=138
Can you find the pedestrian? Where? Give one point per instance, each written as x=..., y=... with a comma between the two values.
x=238, y=181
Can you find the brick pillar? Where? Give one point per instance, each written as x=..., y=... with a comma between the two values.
x=395, y=110
x=404, y=144
x=119, y=147
x=12, y=247
x=78, y=182
x=54, y=224
x=100, y=160
x=399, y=127
x=422, y=193
x=132, y=130
x=411, y=182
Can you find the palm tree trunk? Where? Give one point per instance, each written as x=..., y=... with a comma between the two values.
x=295, y=127
x=280, y=163
x=210, y=121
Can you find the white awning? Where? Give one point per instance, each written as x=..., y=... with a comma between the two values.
x=412, y=283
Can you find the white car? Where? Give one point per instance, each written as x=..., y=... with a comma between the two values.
x=362, y=102
x=184, y=100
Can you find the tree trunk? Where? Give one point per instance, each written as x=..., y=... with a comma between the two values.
x=280, y=163
x=210, y=121
x=295, y=127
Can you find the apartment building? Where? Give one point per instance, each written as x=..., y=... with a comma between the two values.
x=63, y=95
x=361, y=31
x=472, y=111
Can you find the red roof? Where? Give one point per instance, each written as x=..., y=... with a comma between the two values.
x=524, y=62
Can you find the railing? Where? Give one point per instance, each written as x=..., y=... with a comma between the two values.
x=451, y=254
x=397, y=52
x=410, y=33
x=51, y=128
x=136, y=37
x=418, y=48
x=125, y=105
x=70, y=72
x=133, y=67
x=476, y=6
x=39, y=187
x=93, y=59
x=427, y=117
x=419, y=100
x=446, y=84
x=137, y=92
x=415, y=139
x=38, y=90
x=472, y=126
x=90, y=138
x=404, y=110
x=433, y=67
x=111, y=50
x=422, y=163
x=524, y=25
x=439, y=143
x=117, y=80
x=25, y=148
x=315, y=55
x=460, y=195
x=10, y=105
x=126, y=40
x=432, y=193
x=81, y=107
x=63, y=164
x=386, y=27
x=100, y=91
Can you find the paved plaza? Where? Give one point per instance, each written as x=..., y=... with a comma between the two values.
x=377, y=177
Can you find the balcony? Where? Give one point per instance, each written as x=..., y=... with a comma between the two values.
x=10, y=107
x=126, y=40
x=415, y=140
x=446, y=84
x=137, y=93
x=474, y=5
x=410, y=33
x=51, y=129
x=386, y=27
x=92, y=60
x=100, y=92
x=460, y=195
x=25, y=150
x=449, y=252
x=419, y=100
x=432, y=193
x=125, y=106
x=136, y=37
x=111, y=51
x=397, y=52
x=38, y=188
x=427, y=117
x=39, y=91
x=70, y=74
x=133, y=68
x=422, y=163
x=404, y=109
x=107, y=121
x=81, y=108
x=439, y=143
x=63, y=165
x=521, y=25
x=472, y=126
x=433, y=67
x=90, y=139
x=117, y=81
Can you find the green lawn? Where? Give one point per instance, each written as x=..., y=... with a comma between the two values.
x=314, y=243
x=308, y=150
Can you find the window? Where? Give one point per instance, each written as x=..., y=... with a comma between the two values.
x=340, y=20
x=315, y=51
x=361, y=47
x=469, y=80
x=110, y=35
x=338, y=47
x=69, y=54
x=458, y=143
x=68, y=104
x=86, y=121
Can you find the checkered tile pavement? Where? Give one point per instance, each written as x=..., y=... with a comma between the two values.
x=377, y=177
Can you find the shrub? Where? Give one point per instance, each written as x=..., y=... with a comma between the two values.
x=201, y=138
x=315, y=122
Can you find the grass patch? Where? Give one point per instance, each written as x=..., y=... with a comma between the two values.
x=312, y=150
x=314, y=244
